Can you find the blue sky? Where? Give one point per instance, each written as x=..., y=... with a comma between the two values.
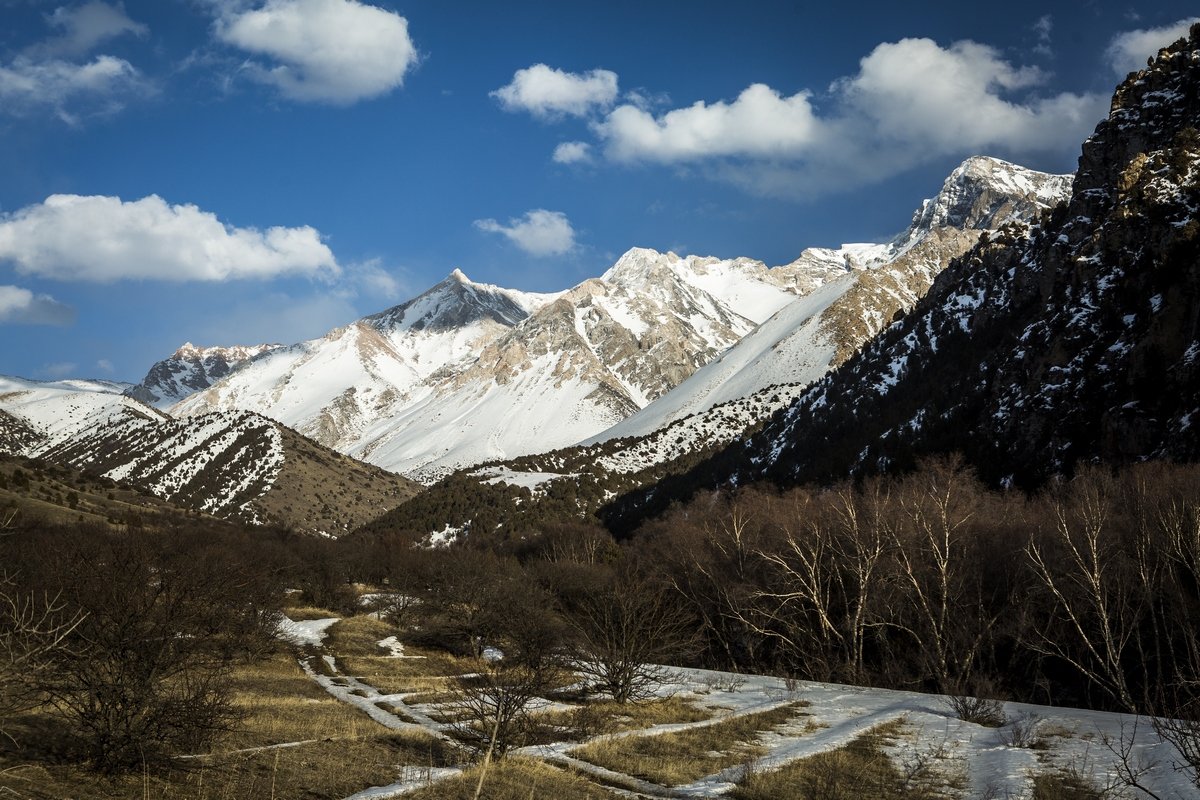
x=236, y=171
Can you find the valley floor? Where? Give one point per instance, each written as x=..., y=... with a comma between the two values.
x=1039, y=751
x=348, y=712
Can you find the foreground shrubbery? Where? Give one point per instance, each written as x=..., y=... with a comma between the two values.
x=129, y=638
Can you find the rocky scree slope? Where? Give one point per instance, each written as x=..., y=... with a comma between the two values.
x=1075, y=339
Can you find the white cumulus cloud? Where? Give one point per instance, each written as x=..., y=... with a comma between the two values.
x=18, y=305
x=330, y=51
x=921, y=95
x=103, y=239
x=760, y=123
x=539, y=233
x=910, y=101
x=547, y=92
x=573, y=153
x=1128, y=51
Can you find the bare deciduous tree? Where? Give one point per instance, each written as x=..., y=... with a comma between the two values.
x=625, y=635
x=33, y=631
x=1096, y=606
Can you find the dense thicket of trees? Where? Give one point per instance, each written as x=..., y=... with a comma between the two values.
x=1087, y=593
x=128, y=637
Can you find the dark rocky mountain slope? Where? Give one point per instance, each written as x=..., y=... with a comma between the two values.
x=1074, y=339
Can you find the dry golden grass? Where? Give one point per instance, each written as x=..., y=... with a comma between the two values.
x=861, y=770
x=357, y=636
x=671, y=759
x=300, y=613
x=282, y=704
x=419, y=672
x=516, y=779
x=327, y=769
x=605, y=716
x=1061, y=786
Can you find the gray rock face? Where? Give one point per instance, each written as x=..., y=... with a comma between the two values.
x=191, y=369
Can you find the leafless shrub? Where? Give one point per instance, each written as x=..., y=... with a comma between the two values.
x=723, y=682
x=979, y=710
x=33, y=632
x=492, y=707
x=1022, y=731
x=624, y=634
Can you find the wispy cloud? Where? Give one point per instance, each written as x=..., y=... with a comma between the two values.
x=58, y=369
x=55, y=74
x=23, y=307
x=573, y=153
x=84, y=27
x=539, y=232
x=1042, y=29
x=1129, y=51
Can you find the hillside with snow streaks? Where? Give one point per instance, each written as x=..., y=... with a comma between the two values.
x=234, y=464
x=1070, y=341
x=467, y=373
x=58, y=411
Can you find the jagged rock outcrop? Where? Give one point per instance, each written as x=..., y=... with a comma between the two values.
x=189, y=370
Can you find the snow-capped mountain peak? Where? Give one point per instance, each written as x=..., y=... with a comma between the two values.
x=192, y=369
x=456, y=302
x=848, y=294
x=980, y=194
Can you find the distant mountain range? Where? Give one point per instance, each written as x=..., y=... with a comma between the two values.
x=668, y=355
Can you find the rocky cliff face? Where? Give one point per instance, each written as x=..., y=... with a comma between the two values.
x=191, y=369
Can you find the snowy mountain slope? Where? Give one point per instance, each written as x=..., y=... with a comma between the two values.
x=191, y=369
x=867, y=285
x=857, y=291
x=58, y=411
x=467, y=372
x=235, y=465
x=336, y=388
x=1073, y=340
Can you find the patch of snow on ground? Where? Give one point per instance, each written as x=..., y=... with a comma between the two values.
x=304, y=632
x=530, y=480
